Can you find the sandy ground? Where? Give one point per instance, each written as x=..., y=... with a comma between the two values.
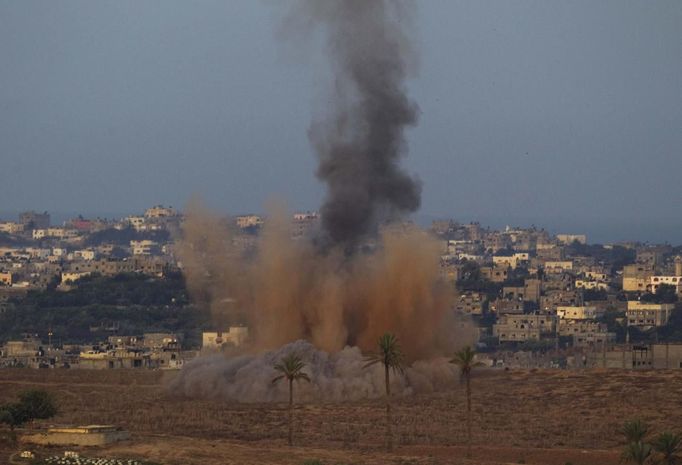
x=534, y=417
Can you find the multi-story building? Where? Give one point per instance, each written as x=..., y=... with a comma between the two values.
x=512, y=328
x=494, y=273
x=587, y=284
x=138, y=223
x=636, y=277
x=470, y=303
x=558, y=266
x=159, y=211
x=571, y=327
x=235, y=336
x=571, y=238
x=144, y=247
x=582, y=312
x=249, y=221
x=507, y=306
x=33, y=220
x=10, y=227
x=648, y=315
x=656, y=281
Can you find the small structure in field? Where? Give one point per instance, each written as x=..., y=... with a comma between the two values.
x=92, y=435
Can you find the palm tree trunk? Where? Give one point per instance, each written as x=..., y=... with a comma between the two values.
x=291, y=412
x=389, y=435
x=468, y=381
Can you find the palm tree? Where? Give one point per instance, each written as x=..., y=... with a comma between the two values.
x=291, y=369
x=669, y=445
x=390, y=356
x=636, y=452
x=466, y=360
x=634, y=431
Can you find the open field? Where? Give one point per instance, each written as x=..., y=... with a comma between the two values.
x=539, y=417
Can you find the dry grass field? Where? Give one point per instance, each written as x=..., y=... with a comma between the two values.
x=534, y=417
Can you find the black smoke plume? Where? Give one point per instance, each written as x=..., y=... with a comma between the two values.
x=361, y=139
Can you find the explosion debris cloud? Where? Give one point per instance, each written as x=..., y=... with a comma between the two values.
x=288, y=289
x=366, y=273
x=334, y=377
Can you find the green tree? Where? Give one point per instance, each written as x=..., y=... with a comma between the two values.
x=465, y=359
x=33, y=404
x=669, y=446
x=391, y=357
x=291, y=369
x=636, y=452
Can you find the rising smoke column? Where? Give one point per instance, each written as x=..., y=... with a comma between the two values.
x=361, y=140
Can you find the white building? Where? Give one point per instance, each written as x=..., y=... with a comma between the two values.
x=656, y=281
x=144, y=247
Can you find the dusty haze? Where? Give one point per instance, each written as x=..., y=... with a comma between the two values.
x=288, y=289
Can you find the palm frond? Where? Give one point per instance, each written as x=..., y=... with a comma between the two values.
x=276, y=379
x=636, y=452
x=669, y=445
x=634, y=431
x=291, y=367
x=466, y=360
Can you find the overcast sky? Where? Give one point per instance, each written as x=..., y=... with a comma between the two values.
x=565, y=114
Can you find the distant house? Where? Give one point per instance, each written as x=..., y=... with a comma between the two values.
x=582, y=312
x=571, y=238
x=519, y=328
x=234, y=336
x=648, y=315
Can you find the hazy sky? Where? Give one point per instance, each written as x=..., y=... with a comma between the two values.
x=565, y=114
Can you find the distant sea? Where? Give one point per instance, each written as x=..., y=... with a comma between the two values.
x=598, y=231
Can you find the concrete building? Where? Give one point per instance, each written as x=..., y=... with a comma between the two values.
x=636, y=277
x=144, y=247
x=640, y=357
x=234, y=336
x=249, y=221
x=587, y=284
x=582, y=312
x=303, y=223
x=647, y=315
x=470, y=303
x=161, y=341
x=508, y=306
x=511, y=261
x=518, y=328
x=138, y=223
x=33, y=220
x=558, y=266
x=159, y=211
x=85, y=436
x=10, y=227
x=568, y=239
x=73, y=276
x=674, y=281
x=25, y=348
x=494, y=273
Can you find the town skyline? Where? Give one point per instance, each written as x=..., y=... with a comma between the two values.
x=598, y=232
